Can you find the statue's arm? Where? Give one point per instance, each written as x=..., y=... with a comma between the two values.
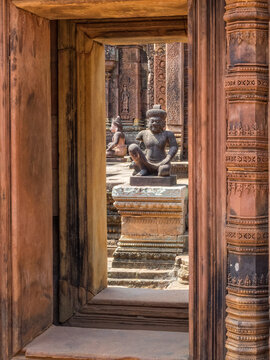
x=139, y=137
x=173, y=148
x=172, y=144
x=114, y=142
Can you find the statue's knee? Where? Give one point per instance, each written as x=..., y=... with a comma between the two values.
x=133, y=149
x=164, y=170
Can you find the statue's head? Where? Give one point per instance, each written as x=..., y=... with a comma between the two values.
x=116, y=125
x=156, y=119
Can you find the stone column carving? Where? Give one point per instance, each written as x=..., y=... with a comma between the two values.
x=107, y=85
x=130, y=85
x=185, y=124
x=150, y=80
x=175, y=90
x=160, y=75
x=246, y=87
x=110, y=63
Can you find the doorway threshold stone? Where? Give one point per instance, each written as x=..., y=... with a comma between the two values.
x=141, y=297
x=60, y=342
x=135, y=309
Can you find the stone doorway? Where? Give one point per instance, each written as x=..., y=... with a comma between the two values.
x=95, y=281
x=88, y=54
x=207, y=300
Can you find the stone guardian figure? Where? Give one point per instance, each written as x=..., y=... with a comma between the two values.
x=155, y=160
x=118, y=147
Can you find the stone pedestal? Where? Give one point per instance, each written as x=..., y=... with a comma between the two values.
x=180, y=169
x=113, y=224
x=152, y=234
x=183, y=273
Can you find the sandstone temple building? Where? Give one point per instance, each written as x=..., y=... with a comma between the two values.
x=67, y=69
x=137, y=77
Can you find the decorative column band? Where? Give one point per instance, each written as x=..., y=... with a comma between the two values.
x=246, y=234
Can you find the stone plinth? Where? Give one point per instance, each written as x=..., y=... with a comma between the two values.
x=152, y=233
x=183, y=273
x=180, y=169
x=153, y=180
x=113, y=224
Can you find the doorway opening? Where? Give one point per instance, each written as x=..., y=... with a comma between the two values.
x=88, y=296
x=136, y=78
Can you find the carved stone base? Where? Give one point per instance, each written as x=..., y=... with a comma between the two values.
x=183, y=273
x=113, y=224
x=152, y=233
x=153, y=180
x=180, y=169
x=116, y=159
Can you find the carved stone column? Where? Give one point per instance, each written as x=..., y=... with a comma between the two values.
x=246, y=87
x=107, y=86
x=110, y=63
x=160, y=75
x=175, y=90
x=150, y=79
x=130, y=85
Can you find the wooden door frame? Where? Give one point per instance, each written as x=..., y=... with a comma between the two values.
x=207, y=181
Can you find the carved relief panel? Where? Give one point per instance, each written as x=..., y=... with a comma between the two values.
x=175, y=88
x=160, y=75
x=150, y=79
x=129, y=84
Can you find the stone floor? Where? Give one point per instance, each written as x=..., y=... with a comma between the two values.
x=119, y=173
x=62, y=342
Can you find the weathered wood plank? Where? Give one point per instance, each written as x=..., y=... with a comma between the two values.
x=5, y=153
x=99, y=9
x=31, y=176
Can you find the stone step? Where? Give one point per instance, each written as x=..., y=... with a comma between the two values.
x=140, y=283
x=58, y=343
x=139, y=274
x=139, y=264
x=135, y=308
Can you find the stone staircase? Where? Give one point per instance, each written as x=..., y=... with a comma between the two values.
x=153, y=274
x=137, y=278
